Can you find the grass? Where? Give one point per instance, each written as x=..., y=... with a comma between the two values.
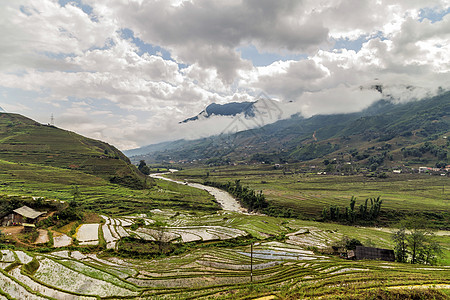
x=24, y=141
x=307, y=194
x=97, y=194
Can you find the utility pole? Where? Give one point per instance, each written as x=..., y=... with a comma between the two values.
x=251, y=262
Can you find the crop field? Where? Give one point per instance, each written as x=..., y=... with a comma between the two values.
x=284, y=262
x=288, y=268
x=307, y=194
x=98, y=194
x=213, y=256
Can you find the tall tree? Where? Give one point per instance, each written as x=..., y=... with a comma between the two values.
x=401, y=245
x=418, y=244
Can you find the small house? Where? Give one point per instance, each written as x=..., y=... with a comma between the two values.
x=362, y=252
x=22, y=215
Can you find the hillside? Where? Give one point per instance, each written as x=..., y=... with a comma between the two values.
x=384, y=134
x=23, y=140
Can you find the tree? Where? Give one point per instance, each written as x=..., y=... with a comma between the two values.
x=76, y=195
x=431, y=251
x=419, y=244
x=161, y=236
x=401, y=246
x=416, y=240
x=143, y=168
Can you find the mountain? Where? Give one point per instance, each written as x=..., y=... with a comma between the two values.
x=228, y=109
x=23, y=140
x=382, y=135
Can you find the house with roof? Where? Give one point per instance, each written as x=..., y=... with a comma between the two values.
x=22, y=215
x=371, y=253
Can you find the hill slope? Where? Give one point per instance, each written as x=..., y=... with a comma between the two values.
x=23, y=140
x=396, y=130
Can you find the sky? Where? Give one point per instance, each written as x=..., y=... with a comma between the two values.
x=127, y=71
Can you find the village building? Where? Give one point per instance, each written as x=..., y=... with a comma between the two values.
x=362, y=252
x=21, y=216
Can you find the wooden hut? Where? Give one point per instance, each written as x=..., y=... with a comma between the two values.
x=22, y=215
x=362, y=252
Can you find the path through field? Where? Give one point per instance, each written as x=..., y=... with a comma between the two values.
x=226, y=201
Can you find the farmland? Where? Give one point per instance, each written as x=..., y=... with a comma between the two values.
x=97, y=194
x=174, y=241
x=306, y=194
x=288, y=268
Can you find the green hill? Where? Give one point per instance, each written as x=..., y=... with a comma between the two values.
x=23, y=140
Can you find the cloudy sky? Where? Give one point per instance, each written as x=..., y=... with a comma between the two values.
x=126, y=71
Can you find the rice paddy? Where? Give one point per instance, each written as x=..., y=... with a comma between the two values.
x=227, y=255
x=281, y=269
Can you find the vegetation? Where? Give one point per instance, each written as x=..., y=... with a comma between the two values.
x=416, y=243
x=138, y=248
x=352, y=215
x=181, y=271
x=250, y=199
x=382, y=136
x=144, y=168
x=8, y=203
x=95, y=193
x=23, y=140
x=31, y=267
x=303, y=194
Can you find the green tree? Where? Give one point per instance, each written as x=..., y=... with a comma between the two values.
x=416, y=240
x=161, y=236
x=401, y=245
x=76, y=196
x=418, y=244
x=143, y=167
x=430, y=252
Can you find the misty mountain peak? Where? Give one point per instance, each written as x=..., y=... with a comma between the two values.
x=228, y=109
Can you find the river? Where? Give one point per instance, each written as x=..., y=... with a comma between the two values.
x=226, y=201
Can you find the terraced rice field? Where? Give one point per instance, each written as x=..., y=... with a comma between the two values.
x=281, y=265
x=114, y=229
x=87, y=234
x=61, y=240
x=279, y=269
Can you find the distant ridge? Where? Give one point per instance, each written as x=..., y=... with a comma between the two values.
x=228, y=109
x=385, y=134
x=2, y=110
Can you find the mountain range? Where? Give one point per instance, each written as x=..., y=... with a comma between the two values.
x=384, y=134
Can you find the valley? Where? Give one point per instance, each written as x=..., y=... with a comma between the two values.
x=172, y=235
x=303, y=193
x=229, y=150
x=209, y=255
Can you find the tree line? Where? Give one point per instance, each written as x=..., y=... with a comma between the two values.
x=368, y=211
x=249, y=198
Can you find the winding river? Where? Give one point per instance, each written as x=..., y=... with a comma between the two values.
x=226, y=201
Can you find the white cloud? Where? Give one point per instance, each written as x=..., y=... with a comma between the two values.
x=103, y=85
